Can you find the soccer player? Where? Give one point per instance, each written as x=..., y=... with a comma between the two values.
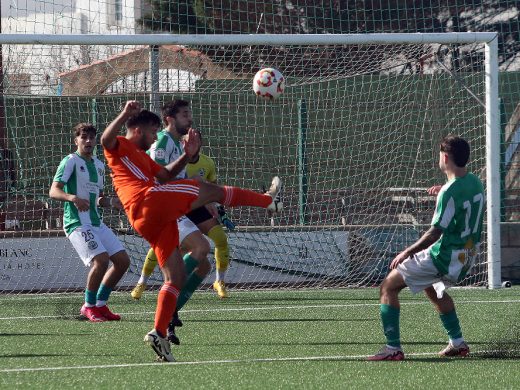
x=79, y=183
x=153, y=202
x=442, y=256
x=178, y=118
x=203, y=166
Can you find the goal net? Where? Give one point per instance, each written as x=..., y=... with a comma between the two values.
x=354, y=137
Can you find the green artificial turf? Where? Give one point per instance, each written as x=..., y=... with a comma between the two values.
x=266, y=339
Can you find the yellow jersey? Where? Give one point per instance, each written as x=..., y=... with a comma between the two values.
x=204, y=167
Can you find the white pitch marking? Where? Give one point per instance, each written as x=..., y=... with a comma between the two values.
x=245, y=309
x=208, y=362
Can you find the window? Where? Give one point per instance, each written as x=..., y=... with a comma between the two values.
x=114, y=12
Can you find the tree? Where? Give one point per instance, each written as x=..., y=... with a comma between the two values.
x=340, y=16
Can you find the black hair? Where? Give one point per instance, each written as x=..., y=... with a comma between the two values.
x=144, y=117
x=457, y=148
x=173, y=107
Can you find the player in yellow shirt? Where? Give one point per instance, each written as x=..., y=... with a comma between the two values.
x=204, y=167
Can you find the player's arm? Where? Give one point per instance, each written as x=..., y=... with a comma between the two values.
x=109, y=136
x=434, y=190
x=57, y=192
x=427, y=239
x=191, y=147
x=170, y=171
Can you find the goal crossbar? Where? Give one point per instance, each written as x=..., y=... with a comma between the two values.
x=248, y=39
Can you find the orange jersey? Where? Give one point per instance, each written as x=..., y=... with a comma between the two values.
x=133, y=173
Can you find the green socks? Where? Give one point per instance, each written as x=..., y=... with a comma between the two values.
x=103, y=293
x=390, y=320
x=450, y=321
x=90, y=297
x=191, y=285
x=189, y=264
x=192, y=282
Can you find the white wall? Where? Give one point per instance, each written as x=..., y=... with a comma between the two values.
x=44, y=63
x=64, y=16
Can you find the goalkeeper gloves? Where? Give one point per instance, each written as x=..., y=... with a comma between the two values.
x=224, y=220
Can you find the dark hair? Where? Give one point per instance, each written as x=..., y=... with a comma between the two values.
x=84, y=127
x=457, y=148
x=173, y=107
x=145, y=117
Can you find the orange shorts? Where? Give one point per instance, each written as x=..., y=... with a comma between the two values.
x=156, y=219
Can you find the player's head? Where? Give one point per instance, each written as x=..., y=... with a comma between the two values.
x=177, y=113
x=85, y=138
x=142, y=128
x=454, y=152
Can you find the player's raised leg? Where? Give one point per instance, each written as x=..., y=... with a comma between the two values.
x=236, y=196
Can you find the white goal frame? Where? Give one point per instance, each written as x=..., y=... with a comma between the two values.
x=489, y=39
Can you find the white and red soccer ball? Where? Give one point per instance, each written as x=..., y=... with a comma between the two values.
x=268, y=83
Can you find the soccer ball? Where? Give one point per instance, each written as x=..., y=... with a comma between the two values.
x=268, y=83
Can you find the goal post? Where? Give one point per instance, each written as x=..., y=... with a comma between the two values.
x=493, y=163
x=355, y=135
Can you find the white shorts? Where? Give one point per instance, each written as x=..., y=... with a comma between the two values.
x=419, y=273
x=89, y=241
x=186, y=227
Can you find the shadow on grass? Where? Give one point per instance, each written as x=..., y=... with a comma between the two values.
x=504, y=344
x=43, y=334
x=33, y=355
x=36, y=355
x=413, y=359
x=145, y=320
x=269, y=301
x=498, y=355
x=477, y=356
x=296, y=343
x=282, y=344
x=439, y=343
x=272, y=320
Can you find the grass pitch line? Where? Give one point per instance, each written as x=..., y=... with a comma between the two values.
x=206, y=362
x=209, y=291
x=246, y=309
x=310, y=290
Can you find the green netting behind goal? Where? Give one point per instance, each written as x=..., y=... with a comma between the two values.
x=355, y=138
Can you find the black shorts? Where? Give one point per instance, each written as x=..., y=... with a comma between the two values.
x=199, y=215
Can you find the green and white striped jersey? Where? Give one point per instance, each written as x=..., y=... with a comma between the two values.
x=459, y=214
x=166, y=149
x=84, y=179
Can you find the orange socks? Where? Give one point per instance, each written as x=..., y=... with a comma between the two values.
x=235, y=196
x=166, y=303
